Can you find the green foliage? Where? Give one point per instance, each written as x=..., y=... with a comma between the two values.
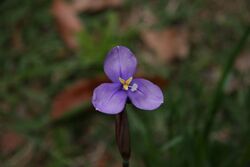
x=97, y=39
x=186, y=131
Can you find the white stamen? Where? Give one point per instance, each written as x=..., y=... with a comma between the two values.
x=134, y=87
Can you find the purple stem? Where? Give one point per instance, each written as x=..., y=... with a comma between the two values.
x=123, y=137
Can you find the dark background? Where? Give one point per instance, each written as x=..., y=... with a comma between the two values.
x=51, y=59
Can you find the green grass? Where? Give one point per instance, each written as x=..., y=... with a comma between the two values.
x=185, y=131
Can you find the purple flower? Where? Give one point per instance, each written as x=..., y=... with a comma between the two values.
x=110, y=98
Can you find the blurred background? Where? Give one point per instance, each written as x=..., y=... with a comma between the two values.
x=51, y=59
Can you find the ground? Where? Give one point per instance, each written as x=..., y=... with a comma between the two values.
x=51, y=59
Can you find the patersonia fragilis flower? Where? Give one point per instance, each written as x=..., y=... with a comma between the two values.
x=120, y=67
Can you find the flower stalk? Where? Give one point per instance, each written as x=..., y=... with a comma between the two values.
x=123, y=137
x=111, y=98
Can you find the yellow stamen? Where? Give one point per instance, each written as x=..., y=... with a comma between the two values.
x=128, y=81
x=122, y=80
x=125, y=87
x=125, y=83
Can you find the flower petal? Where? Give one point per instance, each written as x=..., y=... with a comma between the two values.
x=109, y=98
x=120, y=62
x=147, y=96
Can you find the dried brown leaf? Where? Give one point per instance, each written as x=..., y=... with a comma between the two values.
x=75, y=95
x=17, y=40
x=243, y=62
x=138, y=16
x=9, y=141
x=67, y=21
x=168, y=44
x=94, y=5
x=222, y=135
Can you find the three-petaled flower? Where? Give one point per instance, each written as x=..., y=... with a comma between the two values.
x=110, y=98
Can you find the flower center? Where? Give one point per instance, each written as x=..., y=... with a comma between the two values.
x=126, y=84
